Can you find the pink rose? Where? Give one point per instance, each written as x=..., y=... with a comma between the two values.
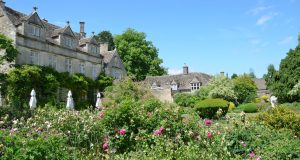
x=122, y=131
x=161, y=129
x=101, y=115
x=258, y=158
x=208, y=122
x=105, y=146
x=251, y=154
x=209, y=135
x=157, y=132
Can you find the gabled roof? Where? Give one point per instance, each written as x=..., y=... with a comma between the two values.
x=66, y=29
x=108, y=55
x=91, y=40
x=183, y=80
x=195, y=80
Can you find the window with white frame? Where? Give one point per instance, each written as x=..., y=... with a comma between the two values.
x=68, y=64
x=82, y=67
x=68, y=41
x=52, y=61
x=34, y=58
x=93, y=49
x=195, y=86
x=35, y=30
x=94, y=71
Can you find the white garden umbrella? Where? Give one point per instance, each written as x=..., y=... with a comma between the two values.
x=98, y=102
x=70, y=102
x=32, y=102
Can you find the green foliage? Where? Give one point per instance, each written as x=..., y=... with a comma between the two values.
x=10, y=52
x=209, y=107
x=221, y=87
x=234, y=75
x=103, y=81
x=231, y=106
x=139, y=55
x=46, y=83
x=262, y=141
x=266, y=98
x=203, y=92
x=281, y=117
x=18, y=147
x=185, y=99
x=249, y=107
x=125, y=89
x=244, y=88
x=283, y=81
x=21, y=80
x=106, y=37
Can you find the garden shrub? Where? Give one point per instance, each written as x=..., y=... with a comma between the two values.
x=281, y=117
x=46, y=82
x=185, y=99
x=18, y=147
x=249, y=107
x=262, y=141
x=231, y=106
x=266, y=98
x=209, y=107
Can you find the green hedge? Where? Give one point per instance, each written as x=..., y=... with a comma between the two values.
x=209, y=107
x=249, y=107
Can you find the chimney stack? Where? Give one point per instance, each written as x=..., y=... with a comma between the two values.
x=185, y=69
x=103, y=47
x=222, y=73
x=82, y=33
x=2, y=3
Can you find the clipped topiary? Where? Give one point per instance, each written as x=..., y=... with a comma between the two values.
x=249, y=107
x=209, y=107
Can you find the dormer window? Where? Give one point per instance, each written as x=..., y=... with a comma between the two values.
x=174, y=86
x=68, y=41
x=195, y=86
x=93, y=49
x=35, y=30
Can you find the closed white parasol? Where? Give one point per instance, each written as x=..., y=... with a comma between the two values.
x=70, y=102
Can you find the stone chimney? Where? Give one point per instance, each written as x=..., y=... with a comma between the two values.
x=222, y=73
x=2, y=4
x=185, y=69
x=82, y=33
x=103, y=47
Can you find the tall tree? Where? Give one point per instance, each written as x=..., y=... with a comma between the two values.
x=283, y=81
x=244, y=88
x=106, y=37
x=139, y=55
x=10, y=52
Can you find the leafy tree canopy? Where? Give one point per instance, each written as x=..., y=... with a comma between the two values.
x=244, y=88
x=283, y=83
x=139, y=55
x=106, y=37
x=10, y=52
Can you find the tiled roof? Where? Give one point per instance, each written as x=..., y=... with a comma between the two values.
x=183, y=80
x=260, y=83
x=108, y=55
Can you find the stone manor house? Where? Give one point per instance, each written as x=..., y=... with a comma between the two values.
x=42, y=43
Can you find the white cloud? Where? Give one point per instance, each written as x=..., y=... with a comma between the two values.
x=265, y=18
x=259, y=9
x=286, y=40
x=174, y=71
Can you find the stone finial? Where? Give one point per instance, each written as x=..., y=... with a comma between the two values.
x=93, y=33
x=68, y=23
x=35, y=9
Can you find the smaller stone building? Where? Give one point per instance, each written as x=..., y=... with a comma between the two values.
x=164, y=87
x=261, y=87
x=113, y=64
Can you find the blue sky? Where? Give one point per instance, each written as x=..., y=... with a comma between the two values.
x=234, y=36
